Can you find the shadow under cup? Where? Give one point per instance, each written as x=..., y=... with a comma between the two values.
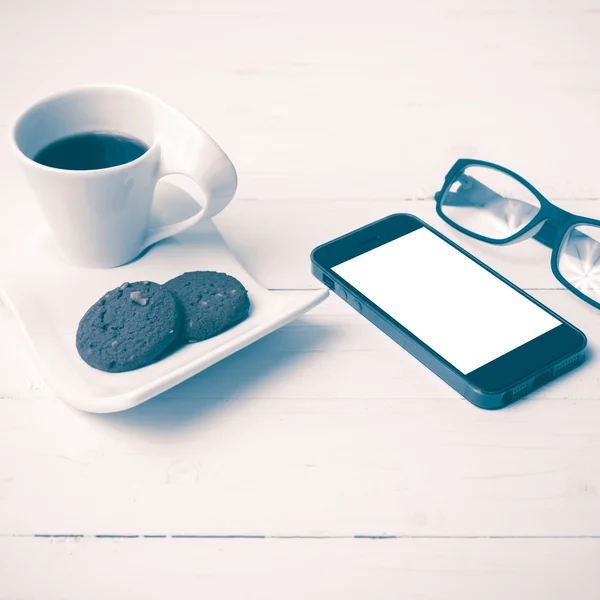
x=98, y=217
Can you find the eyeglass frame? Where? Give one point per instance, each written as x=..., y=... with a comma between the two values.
x=555, y=221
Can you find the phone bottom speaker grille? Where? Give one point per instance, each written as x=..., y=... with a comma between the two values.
x=519, y=391
x=566, y=365
x=524, y=388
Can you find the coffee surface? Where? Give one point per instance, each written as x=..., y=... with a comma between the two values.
x=91, y=151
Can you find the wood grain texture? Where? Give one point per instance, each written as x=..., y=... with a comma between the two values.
x=325, y=427
x=269, y=569
x=335, y=114
x=314, y=99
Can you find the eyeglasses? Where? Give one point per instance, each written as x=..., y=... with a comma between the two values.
x=495, y=205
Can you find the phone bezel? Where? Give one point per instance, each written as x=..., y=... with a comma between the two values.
x=497, y=376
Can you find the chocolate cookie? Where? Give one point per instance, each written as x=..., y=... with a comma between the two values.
x=210, y=303
x=128, y=327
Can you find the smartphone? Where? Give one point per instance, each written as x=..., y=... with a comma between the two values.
x=480, y=333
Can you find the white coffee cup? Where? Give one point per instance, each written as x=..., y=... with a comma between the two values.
x=100, y=217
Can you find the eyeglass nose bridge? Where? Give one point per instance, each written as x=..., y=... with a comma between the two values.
x=553, y=218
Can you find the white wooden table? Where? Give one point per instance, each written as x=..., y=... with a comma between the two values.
x=323, y=461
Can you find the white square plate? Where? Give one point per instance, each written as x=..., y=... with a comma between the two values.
x=49, y=297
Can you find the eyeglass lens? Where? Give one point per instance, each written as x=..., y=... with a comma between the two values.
x=579, y=259
x=489, y=202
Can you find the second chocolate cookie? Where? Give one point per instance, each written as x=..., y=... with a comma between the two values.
x=211, y=303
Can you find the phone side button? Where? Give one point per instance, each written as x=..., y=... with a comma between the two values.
x=356, y=304
x=342, y=293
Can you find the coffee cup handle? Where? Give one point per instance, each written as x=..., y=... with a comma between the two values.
x=188, y=150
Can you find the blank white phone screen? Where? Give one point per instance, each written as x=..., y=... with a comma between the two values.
x=460, y=310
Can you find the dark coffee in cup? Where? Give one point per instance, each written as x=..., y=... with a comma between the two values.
x=101, y=216
x=91, y=151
